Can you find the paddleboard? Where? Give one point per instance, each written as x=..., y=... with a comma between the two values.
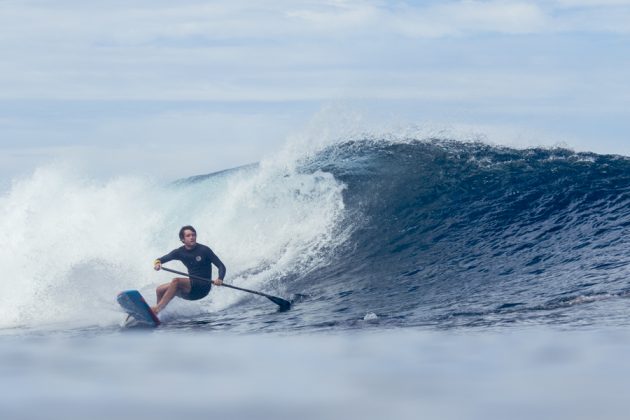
x=134, y=304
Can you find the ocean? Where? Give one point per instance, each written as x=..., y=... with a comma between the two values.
x=429, y=279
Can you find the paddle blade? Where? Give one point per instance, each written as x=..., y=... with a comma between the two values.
x=284, y=305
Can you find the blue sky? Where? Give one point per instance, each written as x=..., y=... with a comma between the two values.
x=171, y=89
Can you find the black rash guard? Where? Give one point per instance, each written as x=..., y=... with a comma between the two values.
x=198, y=260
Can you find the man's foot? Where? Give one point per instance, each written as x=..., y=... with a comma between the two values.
x=155, y=309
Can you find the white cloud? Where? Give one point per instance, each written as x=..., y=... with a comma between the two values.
x=505, y=58
x=594, y=20
x=271, y=51
x=467, y=17
x=337, y=16
x=592, y=3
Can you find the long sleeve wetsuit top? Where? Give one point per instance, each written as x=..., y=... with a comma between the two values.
x=197, y=260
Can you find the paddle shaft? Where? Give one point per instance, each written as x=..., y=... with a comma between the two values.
x=283, y=303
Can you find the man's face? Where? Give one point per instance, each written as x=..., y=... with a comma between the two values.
x=190, y=238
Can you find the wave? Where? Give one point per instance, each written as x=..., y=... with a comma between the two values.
x=453, y=233
x=375, y=232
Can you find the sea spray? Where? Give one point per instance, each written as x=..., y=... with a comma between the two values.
x=70, y=243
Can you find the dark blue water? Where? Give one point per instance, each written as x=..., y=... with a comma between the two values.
x=449, y=234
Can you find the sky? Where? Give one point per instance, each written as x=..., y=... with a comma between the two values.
x=172, y=89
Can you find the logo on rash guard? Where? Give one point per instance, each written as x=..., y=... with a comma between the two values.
x=198, y=258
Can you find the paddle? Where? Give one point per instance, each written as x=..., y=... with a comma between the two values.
x=284, y=305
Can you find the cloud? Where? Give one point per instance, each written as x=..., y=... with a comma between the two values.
x=469, y=17
x=336, y=16
x=199, y=23
x=592, y=3
x=594, y=20
x=504, y=59
x=285, y=50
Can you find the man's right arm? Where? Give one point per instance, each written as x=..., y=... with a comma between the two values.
x=157, y=264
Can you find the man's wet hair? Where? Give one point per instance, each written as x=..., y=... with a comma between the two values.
x=181, y=231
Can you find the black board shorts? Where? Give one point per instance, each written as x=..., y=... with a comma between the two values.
x=198, y=289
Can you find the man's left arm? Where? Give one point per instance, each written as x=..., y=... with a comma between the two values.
x=219, y=264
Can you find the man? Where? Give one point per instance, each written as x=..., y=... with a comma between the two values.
x=198, y=259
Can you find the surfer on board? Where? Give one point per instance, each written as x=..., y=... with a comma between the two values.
x=198, y=259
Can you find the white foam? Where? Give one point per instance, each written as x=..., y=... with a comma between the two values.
x=70, y=243
x=370, y=316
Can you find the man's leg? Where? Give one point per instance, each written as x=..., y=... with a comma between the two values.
x=159, y=292
x=166, y=292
